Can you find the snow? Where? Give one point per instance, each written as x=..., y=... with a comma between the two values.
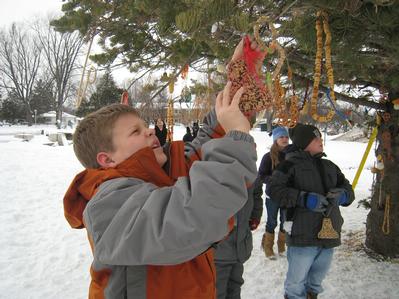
x=42, y=257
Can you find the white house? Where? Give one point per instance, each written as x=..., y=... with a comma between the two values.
x=50, y=118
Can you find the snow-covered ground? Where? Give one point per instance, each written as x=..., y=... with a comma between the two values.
x=42, y=257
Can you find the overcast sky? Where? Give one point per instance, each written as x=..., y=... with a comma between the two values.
x=22, y=10
x=25, y=10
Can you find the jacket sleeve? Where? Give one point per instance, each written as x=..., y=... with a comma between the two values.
x=265, y=169
x=281, y=186
x=257, y=210
x=139, y=224
x=342, y=182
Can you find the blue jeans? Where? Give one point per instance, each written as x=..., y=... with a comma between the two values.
x=272, y=210
x=307, y=267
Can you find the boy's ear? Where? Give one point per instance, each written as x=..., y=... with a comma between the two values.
x=105, y=160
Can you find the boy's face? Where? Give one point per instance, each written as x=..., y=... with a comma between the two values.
x=315, y=147
x=131, y=134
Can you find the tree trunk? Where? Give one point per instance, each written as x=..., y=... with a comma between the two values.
x=59, y=117
x=382, y=227
x=269, y=120
x=28, y=113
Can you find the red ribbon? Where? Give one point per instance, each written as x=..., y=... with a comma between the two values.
x=250, y=57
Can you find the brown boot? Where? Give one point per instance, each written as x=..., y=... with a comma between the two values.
x=267, y=244
x=281, y=242
x=310, y=295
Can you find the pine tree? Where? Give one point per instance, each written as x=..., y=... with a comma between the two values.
x=10, y=111
x=43, y=99
x=365, y=49
x=107, y=92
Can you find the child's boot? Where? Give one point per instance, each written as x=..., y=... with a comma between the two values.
x=267, y=244
x=281, y=242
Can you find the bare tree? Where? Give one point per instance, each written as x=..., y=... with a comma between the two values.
x=141, y=93
x=20, y=57
x=61, y=51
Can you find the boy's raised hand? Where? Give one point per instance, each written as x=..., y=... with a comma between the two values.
x=239, y=49
x=228, y=114
x=239, y=52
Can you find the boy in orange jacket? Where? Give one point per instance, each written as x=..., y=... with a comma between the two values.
x=152, y=213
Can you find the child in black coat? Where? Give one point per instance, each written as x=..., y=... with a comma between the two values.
x=312, y=189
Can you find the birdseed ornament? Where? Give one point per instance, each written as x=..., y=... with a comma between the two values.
x=244, y=72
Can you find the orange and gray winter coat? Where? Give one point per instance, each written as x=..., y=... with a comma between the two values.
x=151, y=232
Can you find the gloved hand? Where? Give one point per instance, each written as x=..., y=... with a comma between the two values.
x=338, y=196
x=313, y=201
x=253, y=223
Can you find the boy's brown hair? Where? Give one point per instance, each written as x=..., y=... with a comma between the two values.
x=94, y=133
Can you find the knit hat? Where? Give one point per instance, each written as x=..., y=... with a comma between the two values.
x=302, y=135
x=279, y=132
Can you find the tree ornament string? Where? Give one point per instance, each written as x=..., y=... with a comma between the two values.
x=283, y=118
x=170, y=119
x=317, y=73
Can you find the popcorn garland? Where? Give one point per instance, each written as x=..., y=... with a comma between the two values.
x=283, y=118
x=170, y=120
x=317, y=73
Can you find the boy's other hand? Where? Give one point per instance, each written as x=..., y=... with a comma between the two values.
x=338, y=196
x=228, y=114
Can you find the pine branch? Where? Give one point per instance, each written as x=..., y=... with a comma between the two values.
x=361, y=101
